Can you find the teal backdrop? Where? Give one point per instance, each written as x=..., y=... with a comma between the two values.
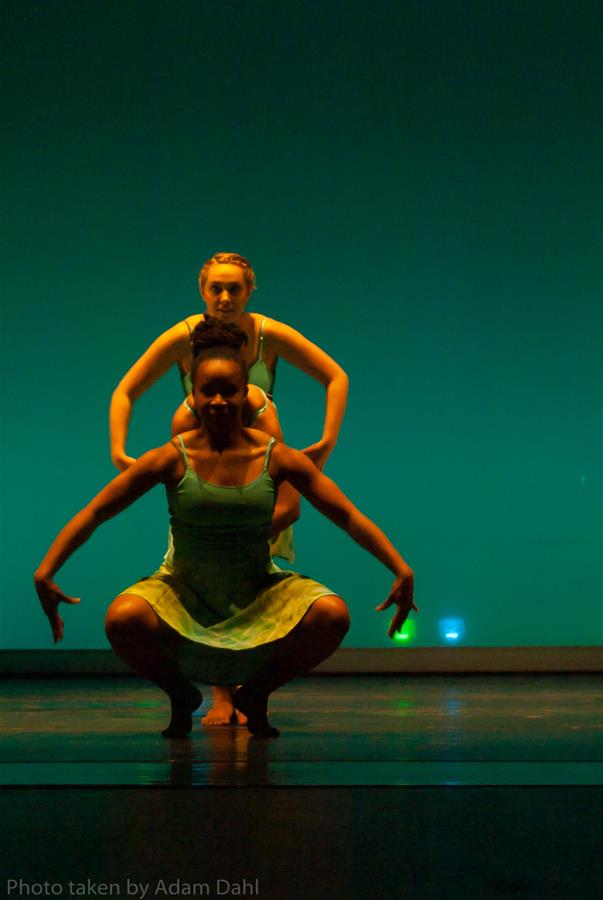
x=418, y=186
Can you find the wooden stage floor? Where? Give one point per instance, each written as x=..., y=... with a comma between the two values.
x=379, y=786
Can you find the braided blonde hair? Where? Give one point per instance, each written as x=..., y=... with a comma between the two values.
x=229, y=259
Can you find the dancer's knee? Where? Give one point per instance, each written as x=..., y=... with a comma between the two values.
x=333, y=614
x=128, y=616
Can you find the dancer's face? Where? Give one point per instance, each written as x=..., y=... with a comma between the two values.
x=225, y=292
x=219, y=392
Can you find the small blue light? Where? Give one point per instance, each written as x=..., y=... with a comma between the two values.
x=451, y=629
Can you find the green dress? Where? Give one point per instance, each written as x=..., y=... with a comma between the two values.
x=218, y=586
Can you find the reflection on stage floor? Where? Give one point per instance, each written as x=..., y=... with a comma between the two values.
x=354, y=730
x=379, y=787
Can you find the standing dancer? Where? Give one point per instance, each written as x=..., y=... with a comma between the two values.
x=217, y=609
x=226, y=282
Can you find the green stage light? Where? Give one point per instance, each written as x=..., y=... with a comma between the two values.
x=407, y=634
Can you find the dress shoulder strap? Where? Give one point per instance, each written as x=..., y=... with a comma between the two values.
x=193, y=411
x=262, y=409
x=261, y=340
x=183, y=452
x=188, y=325
x=271, y=444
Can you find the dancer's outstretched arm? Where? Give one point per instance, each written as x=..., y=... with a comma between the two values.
x=144, y=474
x=324, y=494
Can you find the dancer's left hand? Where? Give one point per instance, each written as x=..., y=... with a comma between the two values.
x=402, y=595
x=318, y=453
x=50, y=596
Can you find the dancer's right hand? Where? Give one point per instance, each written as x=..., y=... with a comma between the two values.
x=122, y=461
x=50, y=596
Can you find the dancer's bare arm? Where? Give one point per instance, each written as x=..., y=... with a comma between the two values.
x=169, y=348
x=324, y=494
x=302, y=353
x=151, y=469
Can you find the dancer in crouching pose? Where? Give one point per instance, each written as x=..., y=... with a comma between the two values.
x=226, y=283
x=218, y=610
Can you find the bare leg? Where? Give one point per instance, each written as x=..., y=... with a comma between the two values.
x=140, y=637
x=222, y=710
x=315, y=638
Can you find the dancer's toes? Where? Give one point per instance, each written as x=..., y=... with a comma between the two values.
x=255, y=708
x=183, y=707
x=220, y=714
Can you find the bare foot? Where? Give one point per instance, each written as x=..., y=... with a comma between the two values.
x=255, y=707
x=222, y=711
x=183, y=707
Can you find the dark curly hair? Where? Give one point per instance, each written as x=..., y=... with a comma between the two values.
x=214, y=339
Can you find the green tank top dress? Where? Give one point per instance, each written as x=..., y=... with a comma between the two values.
x=218, y=586
x=264, y=378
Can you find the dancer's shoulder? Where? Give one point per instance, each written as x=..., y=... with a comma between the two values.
x=270, y=329
x=289, y=459
x=172, y=344
x=285, y=341
x=164, y=457
x=191, y=322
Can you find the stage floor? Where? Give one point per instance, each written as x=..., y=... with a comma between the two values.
x=335, y=731
x=378, y=788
